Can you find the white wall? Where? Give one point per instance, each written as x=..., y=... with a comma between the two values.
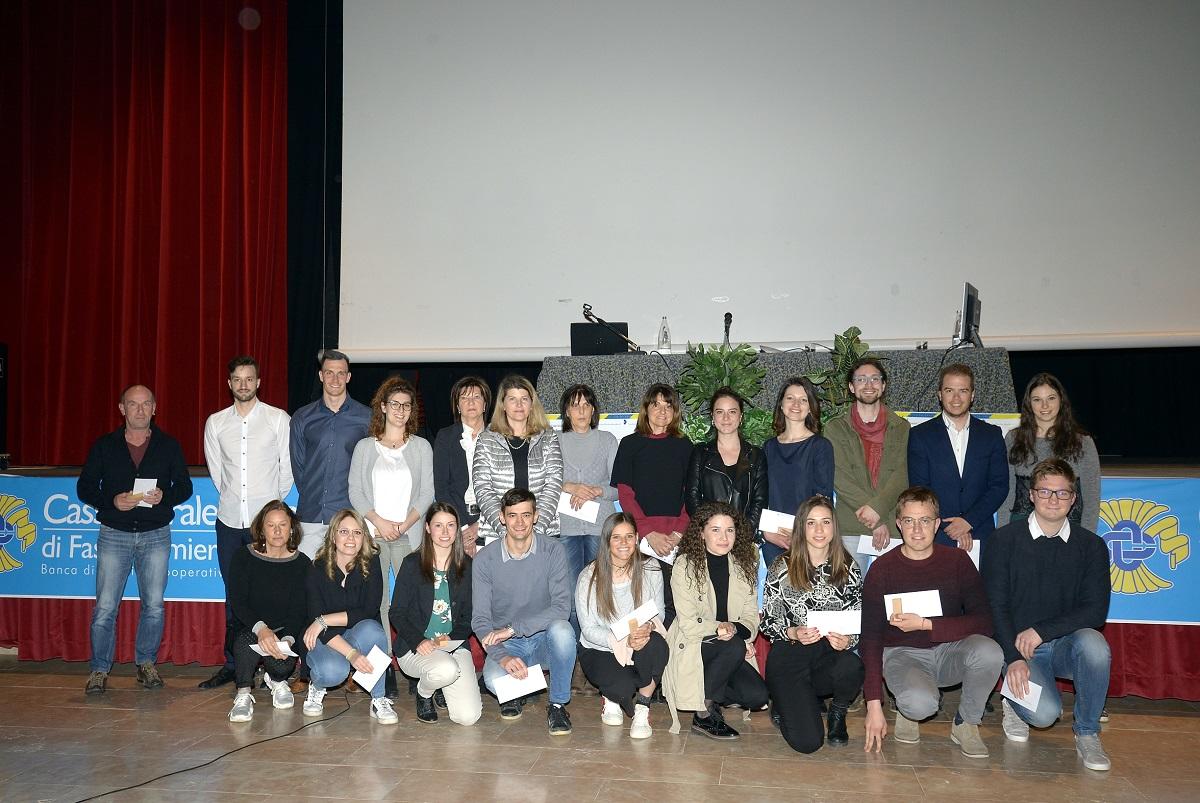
x=817, y=164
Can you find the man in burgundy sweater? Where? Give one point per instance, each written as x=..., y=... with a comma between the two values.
x=918, y=655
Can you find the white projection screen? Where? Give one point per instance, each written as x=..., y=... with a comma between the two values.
x=803, y=165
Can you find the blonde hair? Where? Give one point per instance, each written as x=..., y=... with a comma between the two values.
x=366, y=547
x=537, y=423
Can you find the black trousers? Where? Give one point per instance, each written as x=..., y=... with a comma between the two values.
x=668, y=597
x=229, y=541
x=798, y=675
x=620, y=683
x=728, y=679
x=246, y=660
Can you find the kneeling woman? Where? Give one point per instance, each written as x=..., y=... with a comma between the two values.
x=432, y=605
x=716, y=620
x=815, y=574
x=266, y=593
x=345, y=590
x=610, y=588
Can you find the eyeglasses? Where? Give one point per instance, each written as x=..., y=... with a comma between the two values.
x=1046, y=493
x=925, y=523
x=343, y=532
x=873, y=379
x=400, y=407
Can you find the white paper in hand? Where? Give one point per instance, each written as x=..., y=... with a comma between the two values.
x=283, y=647
x=922, y=603
x=846, y=623
x=509, y=688
x=642, y=613
x=770, y=521
x=646, y=549
x=141, y=485
x=1029, y=701
x=866, y=546
x=588, y=511
x=379, y=663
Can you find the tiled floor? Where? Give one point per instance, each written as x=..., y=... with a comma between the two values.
x=57, y=744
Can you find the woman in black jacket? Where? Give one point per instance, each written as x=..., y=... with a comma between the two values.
x=728, y=469
x=454, y=449
x=431, y=610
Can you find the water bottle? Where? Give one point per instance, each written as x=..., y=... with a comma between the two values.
x=664, y=337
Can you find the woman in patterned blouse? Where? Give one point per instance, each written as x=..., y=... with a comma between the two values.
x=816, y=574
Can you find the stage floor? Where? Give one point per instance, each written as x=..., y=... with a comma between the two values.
x=57, y=744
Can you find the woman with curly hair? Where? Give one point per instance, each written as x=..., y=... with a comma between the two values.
x=266, y=593
x=391, y=479
x=714, y=584
x=804, y=665
x=345, y=585
x=432, y=606
x=1048, y=429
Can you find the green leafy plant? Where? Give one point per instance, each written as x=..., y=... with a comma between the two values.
x=722, y=366
x=830, y=382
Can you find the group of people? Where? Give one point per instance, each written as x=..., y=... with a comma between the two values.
x=658, y=600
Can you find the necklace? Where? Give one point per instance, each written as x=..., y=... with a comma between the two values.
x=393, y=445
x=520, y=443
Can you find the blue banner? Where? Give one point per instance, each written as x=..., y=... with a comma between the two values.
x=48, y=542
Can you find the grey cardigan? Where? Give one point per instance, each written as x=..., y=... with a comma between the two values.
x=419, y=457
x=492, y=476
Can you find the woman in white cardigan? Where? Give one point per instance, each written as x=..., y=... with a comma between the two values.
x=391, y=478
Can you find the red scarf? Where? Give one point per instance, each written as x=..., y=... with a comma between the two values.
x=871, y=436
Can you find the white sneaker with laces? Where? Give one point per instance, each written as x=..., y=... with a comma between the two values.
x=382, y=711
x=314, y=705
x=281, y=693
x=612, y=713
x=1092, y=752
x=640, y=729
x=243, y=707
x=1015, y=728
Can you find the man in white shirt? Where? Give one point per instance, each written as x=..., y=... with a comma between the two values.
x=246, y=449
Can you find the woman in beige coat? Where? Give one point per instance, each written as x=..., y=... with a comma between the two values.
x=716, y=621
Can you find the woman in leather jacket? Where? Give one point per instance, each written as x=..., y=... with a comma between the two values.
x=728, y=469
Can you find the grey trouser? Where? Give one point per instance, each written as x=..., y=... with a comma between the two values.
x=914, y=675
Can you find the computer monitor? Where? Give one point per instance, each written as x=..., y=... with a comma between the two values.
x=968, y=318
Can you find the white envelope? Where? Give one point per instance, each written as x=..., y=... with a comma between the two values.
x=509, y=688
x=141, y=485
x=1029, y=702
x=451, y=646
x=379, y=662
x=588, y=512
x=642, y=613
x=867, y=547
x=848, y=623
x=922, y=603
x=646, y=549
x=283, y=646
x=974, y=552
x=771, y=520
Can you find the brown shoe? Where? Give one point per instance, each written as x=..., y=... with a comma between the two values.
x=298, y=686
x=579, y=683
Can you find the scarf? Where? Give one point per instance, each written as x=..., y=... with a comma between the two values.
x=871, y=436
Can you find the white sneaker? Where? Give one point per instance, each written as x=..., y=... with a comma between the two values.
x=1015, y=728
x=1092, y=752
x=281, y=693
x=381, y=710
x=243, y=707
x=612, y=713
x=314, y=705
x=640, y=729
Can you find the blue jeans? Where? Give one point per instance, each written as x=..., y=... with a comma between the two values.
x=117, y=552
x=328, y=667
x=1082, y=656
x=553, y=649
x=229, y=541
x=581, y=550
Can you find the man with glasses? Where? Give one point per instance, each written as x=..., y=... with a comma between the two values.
x=870, y=460
x=962, y=459
x=914, y=648
x=1048, y=583
x=134, y=476
x=246, y=449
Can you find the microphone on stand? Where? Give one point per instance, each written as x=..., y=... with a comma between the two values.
x=728, y=323
x=632, y=347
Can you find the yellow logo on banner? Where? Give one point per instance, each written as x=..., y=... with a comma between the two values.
x=15, y=528
x=1138, y=530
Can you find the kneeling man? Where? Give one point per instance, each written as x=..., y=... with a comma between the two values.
x=918, y=655
x=1048, y=584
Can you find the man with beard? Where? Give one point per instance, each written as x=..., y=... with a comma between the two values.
x=870, y=460
x=246, y=449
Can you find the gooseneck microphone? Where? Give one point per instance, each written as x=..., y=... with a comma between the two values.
x=728, y=323
x=594, y=318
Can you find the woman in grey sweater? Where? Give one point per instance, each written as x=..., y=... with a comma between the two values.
x=588, y=455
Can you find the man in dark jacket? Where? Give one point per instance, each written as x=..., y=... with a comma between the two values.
x=133, y=477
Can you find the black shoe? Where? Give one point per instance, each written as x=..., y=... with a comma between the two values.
x=511, y=709
x=558, y=719
x=836, y=723
x=657, y=695
x=776, y=720
x=426, y=710
x=713, y=726
x=439, y=700
x=389, y=682
x=220, y=678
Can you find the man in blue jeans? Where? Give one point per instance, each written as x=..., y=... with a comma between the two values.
x=1048, y=584
x=521, y=597
x=135, y=529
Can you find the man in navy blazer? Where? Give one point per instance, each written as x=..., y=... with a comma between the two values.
x=962, y=459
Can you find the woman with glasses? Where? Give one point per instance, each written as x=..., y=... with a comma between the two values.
x=588, y=455
x=391, y=478
x=345, y=586
x=806, y=664
x=1048, y=429
x=453, y=451
x=519, y=450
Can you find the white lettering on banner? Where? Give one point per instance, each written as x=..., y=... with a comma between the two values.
x=192, y=551
x=74, y=512
x=80, y=548
x=195, y=513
